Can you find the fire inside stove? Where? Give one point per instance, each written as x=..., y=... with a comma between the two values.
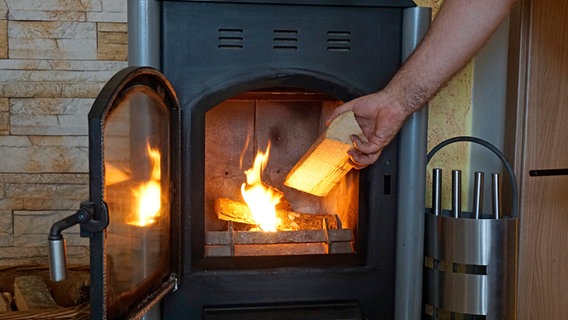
x=252, y=142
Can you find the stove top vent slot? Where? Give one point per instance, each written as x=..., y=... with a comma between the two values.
x=338, y=40
x=230, y=38
x=285, y=39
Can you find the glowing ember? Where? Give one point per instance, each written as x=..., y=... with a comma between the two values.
x=148, y=195
x=261, y=199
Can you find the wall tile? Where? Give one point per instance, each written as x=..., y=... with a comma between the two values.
x=56, y=106
x=55, y=57
x=49, y=75
x=21, y=256
x=44, y=159
x=46, y=190
x=54, y=5
x=3, y=9
x=6, y=240
x=15, y=142
x=76, y=65
x=56, y=40
x=106, y=16
x=21, y=48
x=51, y=30
x=113, y=6
x=9, y=204
x=15, y=64
x=4, y=123
x=65, y=178
x=51, y=15
x=4, y=116
x=4, y=105
x=49, y=125
x=3, y=39
x=6, y=228
x=28, y=253
x=50, y=90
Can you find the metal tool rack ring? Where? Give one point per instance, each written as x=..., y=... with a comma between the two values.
x=497, y=152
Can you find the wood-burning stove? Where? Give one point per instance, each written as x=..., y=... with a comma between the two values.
x=247, y=74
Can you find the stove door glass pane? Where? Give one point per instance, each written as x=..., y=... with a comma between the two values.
x=137, y=175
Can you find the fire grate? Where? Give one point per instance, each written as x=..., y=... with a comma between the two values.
x=289, y=242
x=297, y=233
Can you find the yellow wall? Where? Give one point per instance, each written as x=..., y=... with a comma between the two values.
x=449, y=115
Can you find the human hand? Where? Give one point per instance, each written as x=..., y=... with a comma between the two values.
x=380, y=118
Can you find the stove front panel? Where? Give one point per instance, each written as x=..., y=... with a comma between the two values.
x=213, y=45
x=214, y=53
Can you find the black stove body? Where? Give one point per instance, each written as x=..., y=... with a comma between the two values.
x=210, y=52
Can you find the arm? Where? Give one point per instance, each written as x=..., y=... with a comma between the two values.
x=461, y=28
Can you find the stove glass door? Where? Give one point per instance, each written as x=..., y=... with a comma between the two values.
x=137, y=143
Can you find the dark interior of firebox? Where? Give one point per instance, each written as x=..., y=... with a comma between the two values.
x=285, y=122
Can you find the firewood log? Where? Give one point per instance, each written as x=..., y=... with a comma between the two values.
x=235, y=211
x=5, y=301
x=31, y=293
x=326, y=161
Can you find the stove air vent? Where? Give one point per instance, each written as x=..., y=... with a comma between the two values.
x=338, y=40
x=285, y=39
x=230, y=38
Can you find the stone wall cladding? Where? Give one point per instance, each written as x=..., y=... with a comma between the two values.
x=55, y=56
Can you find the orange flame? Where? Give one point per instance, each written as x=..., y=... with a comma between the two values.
x=149, y=194
x=261, y=199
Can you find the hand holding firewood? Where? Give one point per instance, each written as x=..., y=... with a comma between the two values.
x=459, y=31
x=380, y=118
x=326, y=161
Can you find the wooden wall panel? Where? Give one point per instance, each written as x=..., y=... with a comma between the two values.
x=543, y=247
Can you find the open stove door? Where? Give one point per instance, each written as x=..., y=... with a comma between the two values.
x=134, y=230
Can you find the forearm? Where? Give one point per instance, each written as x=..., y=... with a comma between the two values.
x=458, y=32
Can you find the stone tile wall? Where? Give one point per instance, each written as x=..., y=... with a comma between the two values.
x=55, y=56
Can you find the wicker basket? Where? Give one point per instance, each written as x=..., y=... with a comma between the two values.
x=75, y=301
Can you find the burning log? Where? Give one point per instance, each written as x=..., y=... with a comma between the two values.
x=230, y=210
x=326, y=161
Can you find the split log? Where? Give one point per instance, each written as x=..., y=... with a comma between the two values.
x=245, y=243
x=31, y=293
x=326, y=161
x=230, y=210
x=71, y=291
x=5, y=301
x=285, y=249
x=297, y=236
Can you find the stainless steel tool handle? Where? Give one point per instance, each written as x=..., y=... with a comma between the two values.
x=478, y=194
x=495, y=196
x=437, y=191
x=498, y=153
x=456, y=193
